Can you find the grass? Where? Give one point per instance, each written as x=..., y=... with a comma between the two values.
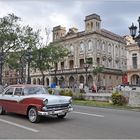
x=102, y=104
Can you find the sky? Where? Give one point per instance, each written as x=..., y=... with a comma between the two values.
x=116, y=15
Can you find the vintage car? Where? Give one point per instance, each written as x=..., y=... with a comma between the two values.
x=33, y=101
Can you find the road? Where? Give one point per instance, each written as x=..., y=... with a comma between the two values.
x=82, y=123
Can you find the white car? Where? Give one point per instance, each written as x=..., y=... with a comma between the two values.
x=34, y=101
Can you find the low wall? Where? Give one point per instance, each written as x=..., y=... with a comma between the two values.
x=134, y=99
x=106, y=97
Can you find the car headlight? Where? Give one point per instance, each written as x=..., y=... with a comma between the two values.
x=70, y=101
x=45, y=101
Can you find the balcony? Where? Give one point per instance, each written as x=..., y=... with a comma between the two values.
x=69, y=71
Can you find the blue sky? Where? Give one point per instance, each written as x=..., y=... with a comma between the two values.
x=116, y=15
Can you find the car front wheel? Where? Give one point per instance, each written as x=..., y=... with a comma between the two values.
x=33, y=115
x=2, y=111
x=61, y=116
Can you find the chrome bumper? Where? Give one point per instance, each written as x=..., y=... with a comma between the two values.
x=54, y=112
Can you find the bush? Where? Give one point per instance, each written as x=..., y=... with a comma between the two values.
x=78, y=96
x=118, y=99
x=66, y=92
x=82, y=91
x=50, y=91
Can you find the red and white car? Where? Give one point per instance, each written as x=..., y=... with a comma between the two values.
x=34, y=101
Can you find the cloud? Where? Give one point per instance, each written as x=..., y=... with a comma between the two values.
x=116, y=16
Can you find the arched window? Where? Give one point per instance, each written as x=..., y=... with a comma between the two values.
x=82, y=46
x=117, y=50
x=134, y=61
x=89, y=45
x=98, y=45
x=71, y=49
x=103, y=46
x=109, y=48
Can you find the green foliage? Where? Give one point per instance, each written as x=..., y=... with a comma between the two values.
x=57, y=53
x=97, y=70
x=118, y=99
x=66, y=92
x=50, y=91
x=89, y=61
x=14, y=41
x=78, y=96
x=45, y=58
x=82, y=91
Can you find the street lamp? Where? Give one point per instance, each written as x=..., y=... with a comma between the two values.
x=86, y=66
x=76, y=81
x=28, y=61
x=22, y=70
x=133, y=29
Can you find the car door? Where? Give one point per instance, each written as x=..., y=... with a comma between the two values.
x=7, y=99
x=17, y=100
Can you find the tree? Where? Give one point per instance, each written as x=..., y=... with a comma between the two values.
x=9, y=29
x=40, y=61
x=58, y=53
x=27, y=38
x=45, y=58
x=96, y=71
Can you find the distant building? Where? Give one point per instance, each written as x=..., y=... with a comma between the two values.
x=133, y=61
x=101, y=46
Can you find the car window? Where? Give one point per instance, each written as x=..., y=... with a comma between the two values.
x=18, y=91
x=34, y=90
x=9, y=91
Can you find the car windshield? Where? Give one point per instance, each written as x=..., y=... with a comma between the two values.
x=35, y=90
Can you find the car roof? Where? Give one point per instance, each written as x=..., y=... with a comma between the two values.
x=24, y=85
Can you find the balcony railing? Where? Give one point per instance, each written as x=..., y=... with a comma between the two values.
x=82, y=70
x=70, y=71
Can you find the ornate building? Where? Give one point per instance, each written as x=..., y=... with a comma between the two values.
x=101, y=46
x=133, y=63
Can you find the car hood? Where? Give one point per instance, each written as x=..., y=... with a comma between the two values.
x=52, y=99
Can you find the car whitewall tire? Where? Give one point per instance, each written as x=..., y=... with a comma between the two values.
x=33, y=115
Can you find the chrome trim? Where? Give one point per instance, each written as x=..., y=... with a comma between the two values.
x=54, y=112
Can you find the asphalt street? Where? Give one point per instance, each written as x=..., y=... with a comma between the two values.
x=82, y=123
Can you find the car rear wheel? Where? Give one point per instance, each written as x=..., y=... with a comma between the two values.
x=61, y=116
x=33, y=115
x=2, y=111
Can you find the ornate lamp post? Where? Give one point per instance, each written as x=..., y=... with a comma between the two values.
x=28, y=61
x=86, y=66
x=133, y=29
x=76, y=81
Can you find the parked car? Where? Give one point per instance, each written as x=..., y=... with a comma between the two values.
x=34, y=101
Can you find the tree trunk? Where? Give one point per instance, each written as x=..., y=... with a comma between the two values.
x=1, y=67
x=43, y=78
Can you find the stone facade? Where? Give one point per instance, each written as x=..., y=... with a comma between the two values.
x=133, y=63
x=101, y=46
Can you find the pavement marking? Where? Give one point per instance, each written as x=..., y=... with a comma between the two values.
x=21, y=126
x=95, y=115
